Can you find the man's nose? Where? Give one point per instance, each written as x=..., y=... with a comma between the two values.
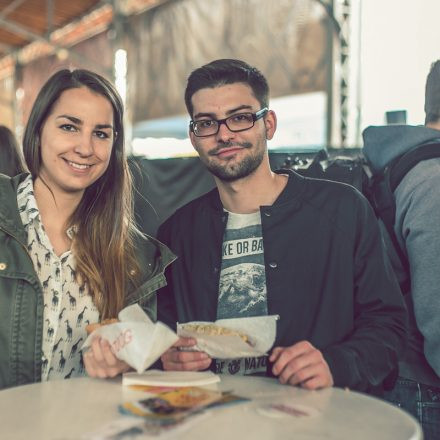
x=224, y=133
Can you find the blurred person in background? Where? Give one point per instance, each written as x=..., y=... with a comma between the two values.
x=417, y=228
x=11, y=162
x=70, y=253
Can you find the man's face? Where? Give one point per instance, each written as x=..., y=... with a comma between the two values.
x=231, y=155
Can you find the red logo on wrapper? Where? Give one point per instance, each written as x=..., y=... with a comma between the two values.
x=122, y=340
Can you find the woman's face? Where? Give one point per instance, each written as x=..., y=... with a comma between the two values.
x=76, y=141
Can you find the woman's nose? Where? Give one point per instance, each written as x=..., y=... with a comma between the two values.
x=84, y=146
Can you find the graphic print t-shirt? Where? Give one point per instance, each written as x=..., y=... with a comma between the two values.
x=242, y=289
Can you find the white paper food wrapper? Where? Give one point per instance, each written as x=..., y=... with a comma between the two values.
x=261, y=331
x=135, y=339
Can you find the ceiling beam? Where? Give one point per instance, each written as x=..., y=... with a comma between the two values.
x=49, y=17
x=30, y=35
x=24, y=32
x=3, y=14
x=11, y=7
x=19, y=29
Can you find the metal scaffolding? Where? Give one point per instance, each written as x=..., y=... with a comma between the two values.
x=342, y=105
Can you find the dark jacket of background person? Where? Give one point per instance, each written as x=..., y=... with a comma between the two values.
x=417, y=228
x=21, y=297
x=327, y=276
x=11, y=162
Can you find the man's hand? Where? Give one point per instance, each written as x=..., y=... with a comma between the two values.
x=176, y=358
x=301, y=364
x=100, y=361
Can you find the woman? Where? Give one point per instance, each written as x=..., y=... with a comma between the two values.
x=70, y=253
x=11, y=163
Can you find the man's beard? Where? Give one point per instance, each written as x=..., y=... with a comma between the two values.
x=238, y=170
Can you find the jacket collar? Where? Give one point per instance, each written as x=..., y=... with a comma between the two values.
x=293, y=193
x=10, y=219
x=166, y=255
x=294, y=190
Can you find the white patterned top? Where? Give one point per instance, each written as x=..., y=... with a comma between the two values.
x=67, y=306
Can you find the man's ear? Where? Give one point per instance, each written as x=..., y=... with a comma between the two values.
x=192, y=139
x=270, y=123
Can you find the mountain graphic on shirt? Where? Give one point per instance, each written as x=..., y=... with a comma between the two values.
x=242, y=291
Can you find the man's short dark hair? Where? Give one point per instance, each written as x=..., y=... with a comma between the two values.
x=432, y=94
x=227, y=71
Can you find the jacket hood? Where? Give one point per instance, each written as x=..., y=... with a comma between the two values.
x=383, y=143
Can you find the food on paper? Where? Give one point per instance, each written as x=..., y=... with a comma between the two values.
x=231, y=338
x=214, y=329
x=134, y=338
x=92, y=327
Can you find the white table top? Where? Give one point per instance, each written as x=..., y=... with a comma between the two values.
x=67, y=409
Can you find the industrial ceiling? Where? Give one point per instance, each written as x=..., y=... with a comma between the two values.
x=25, y=21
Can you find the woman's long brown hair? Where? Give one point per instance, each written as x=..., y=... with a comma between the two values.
x=105, y=230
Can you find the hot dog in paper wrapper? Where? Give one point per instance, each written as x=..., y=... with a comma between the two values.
x=232, y=338
x=135, y=339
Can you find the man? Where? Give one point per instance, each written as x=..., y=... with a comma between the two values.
x=267, y=242
x=417, y=228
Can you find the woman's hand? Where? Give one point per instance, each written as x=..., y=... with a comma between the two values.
x=100, y=361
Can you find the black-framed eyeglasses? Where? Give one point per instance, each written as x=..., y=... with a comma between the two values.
x=235, y=123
